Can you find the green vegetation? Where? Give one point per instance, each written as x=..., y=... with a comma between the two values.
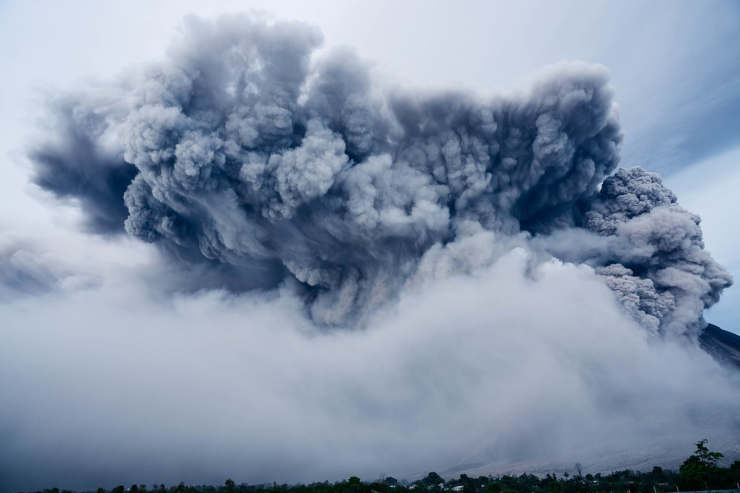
x=700, y=471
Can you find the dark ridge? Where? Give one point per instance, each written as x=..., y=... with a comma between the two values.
x=722, y=345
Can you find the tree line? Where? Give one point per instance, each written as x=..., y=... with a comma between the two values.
x=700, y=472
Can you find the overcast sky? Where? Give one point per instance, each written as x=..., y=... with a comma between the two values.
x=113, y=378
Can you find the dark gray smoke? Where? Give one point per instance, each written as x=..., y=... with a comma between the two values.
x=76, y=166
x=242, y=152
x=656, y=260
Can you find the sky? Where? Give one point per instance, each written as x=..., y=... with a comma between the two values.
x=119, y=371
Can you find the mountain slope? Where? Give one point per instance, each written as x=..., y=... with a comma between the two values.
x=724, y=346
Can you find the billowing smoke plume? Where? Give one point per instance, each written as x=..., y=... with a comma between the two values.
x=244, y=153
x=660, y=269
x=648, y=249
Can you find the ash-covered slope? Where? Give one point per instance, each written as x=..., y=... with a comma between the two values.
x=724, y=346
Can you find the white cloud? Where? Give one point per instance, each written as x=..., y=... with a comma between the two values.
x=113, y=385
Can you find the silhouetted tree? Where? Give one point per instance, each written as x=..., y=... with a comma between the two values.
x=697, y=471
x=432, y=479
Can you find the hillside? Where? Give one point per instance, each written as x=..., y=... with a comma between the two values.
x=724, y=346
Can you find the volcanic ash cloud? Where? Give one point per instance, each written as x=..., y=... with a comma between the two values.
x=247, y=156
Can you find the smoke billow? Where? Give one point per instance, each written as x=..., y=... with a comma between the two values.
x=242, y=152
x=649, y=250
